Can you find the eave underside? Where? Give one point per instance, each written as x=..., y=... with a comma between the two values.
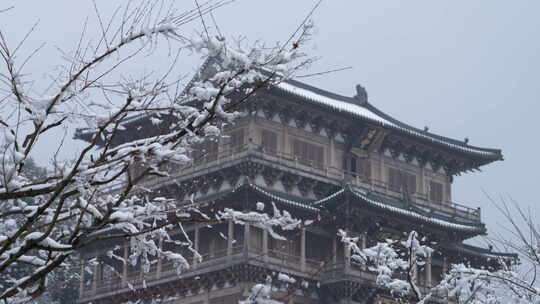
x=344, y=105
x=384, y=206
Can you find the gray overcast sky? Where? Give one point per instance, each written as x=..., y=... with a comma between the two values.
x=464, y=68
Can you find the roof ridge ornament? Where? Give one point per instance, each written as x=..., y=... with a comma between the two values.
x=361, y=95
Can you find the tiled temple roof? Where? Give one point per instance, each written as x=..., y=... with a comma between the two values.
x=475, y=250
x=393, y=206
x=366, y=111
x=361, y=110
x=400, y=208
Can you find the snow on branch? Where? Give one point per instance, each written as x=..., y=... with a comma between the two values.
x=396, y=264
x=280, y=219
x=99, y=194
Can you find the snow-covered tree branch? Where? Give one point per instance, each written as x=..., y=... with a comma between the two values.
x=462, y=283
x=96, y=195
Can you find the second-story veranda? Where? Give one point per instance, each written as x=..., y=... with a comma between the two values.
x=288, y=175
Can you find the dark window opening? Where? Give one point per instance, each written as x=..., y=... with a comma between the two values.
x=435, y=192
x=269, y=142
x=360, y=167
x=309, y=154
x=237, y=140
x=401, y=181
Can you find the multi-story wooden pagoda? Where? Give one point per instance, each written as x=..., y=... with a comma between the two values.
x=334, y=159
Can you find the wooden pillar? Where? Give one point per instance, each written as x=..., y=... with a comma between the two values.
x=125, y=265
x=347, y=254
x=230, y=237
x=444, y=271
x=246, y=238
x=81, y=283
x=334, y=251
x=383, y=180
x=348, y=160
x=363, y=243
x=265, y=245
x=444, y=266
x=414, y=273
x=428, y=271
x=303, y=249
x=95, y=275
x=331, y=153
x=423, y=184
x=285, y=146
x=196, y=244
x=159, y=261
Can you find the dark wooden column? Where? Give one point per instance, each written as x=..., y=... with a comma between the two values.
x=230, y=237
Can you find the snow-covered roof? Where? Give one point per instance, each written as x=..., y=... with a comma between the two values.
x=418, y=216
x=349, y=105
x=485, y=252
x=278, y=198
x=315, y=206
x=363, y=196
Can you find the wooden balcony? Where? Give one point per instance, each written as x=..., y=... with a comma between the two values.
x=333, y=268
x=288, y=162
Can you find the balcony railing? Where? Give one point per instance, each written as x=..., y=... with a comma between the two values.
x=289, y=160
x=224, y=157
x=420, y=199
x=322, y=270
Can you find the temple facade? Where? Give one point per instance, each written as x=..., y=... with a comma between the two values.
x=336, y=160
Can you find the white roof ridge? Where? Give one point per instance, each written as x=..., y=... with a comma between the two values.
x=410, y=213
x=364, y=112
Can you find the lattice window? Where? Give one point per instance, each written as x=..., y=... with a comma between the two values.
x=290, y=246
x=317, y=247
x=237, y=140
x=309, y=154
x=269, y=141
x=359, y=166
x=399, y=181
x=256, y=239
x=219, y=240
x=409, y=182
x=436, y=192
x=394, y=179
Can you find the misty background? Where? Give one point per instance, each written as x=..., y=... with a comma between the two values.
x=462, y=68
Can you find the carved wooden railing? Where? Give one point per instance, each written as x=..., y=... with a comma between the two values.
x=225, y=156
x=420, y=199
x=318, y=269
x=375, y=185
x=343, y=271
x=166, y=270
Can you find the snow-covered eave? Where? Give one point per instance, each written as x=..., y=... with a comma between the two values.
x=403, y=212
x=249, y=185
x=369, y=112
x=283, y=200
x=483, y=252
x=415, y=215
